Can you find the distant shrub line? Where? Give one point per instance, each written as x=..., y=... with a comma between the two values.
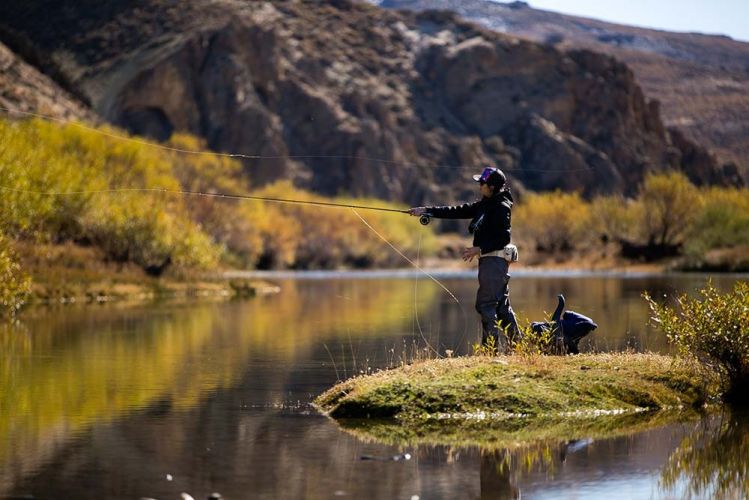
x=709, y=227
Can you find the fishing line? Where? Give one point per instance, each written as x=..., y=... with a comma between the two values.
x=426, y=273
x=416, y=289
x=338, y=378
x=207, y=195
x=144, y=142
x=353, y=207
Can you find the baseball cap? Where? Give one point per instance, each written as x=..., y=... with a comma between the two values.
x=492, y=176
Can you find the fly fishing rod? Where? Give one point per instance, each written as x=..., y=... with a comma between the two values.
x=424, y=219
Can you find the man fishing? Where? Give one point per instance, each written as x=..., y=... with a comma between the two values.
x=490, y=226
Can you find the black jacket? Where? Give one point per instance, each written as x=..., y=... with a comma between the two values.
x=490, y=222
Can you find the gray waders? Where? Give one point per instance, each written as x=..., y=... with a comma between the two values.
x=493, y=303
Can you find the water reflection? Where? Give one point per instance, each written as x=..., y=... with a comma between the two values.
x=713, y=460
x=706, y=458
x=103, y=402
x=63, y=371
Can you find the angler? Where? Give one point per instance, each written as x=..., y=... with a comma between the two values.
x=490, y=225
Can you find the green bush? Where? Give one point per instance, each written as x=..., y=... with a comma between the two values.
x=14, y=283
x=714, y=329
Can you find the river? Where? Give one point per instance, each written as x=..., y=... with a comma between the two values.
x=149, y=401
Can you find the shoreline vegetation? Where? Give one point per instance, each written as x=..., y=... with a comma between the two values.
x=91, y=216
x=66, y=274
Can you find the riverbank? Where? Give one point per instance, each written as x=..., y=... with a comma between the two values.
x=510, y=389
x=81, y=274
x=64, y=274
x=599, y=257
x=123, y=291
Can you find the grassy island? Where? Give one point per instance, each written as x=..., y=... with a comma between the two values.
x=480, y=398
x=515, y=386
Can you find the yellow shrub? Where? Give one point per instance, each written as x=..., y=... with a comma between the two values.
x=68, y=183
x=612, y=217
x=56, y=187
x=14, y=283
x=553, y=221
x=323, y=237
x=33, y=163
x=668, y=203
x=230, y=223
x=721, y=222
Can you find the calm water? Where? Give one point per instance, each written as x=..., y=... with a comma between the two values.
x=151, y=401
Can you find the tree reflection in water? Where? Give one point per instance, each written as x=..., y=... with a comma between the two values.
x=712, y=461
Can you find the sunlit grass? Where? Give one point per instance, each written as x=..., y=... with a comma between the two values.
x=510, y=386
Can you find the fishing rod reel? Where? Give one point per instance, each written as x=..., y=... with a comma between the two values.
x=425, y=219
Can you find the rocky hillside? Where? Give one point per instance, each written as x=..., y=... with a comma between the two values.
x=342, y=96
x=23, y=88
x=702, y=81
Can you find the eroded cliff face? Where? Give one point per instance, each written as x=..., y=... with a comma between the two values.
x=702, y=81
x=344, y=97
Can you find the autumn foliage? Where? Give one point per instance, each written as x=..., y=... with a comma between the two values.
x=71, y=183
x=668, y=217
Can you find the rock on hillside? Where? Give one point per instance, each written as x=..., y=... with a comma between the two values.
x=24, y=89
x=346, y=97
x=702, y=81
